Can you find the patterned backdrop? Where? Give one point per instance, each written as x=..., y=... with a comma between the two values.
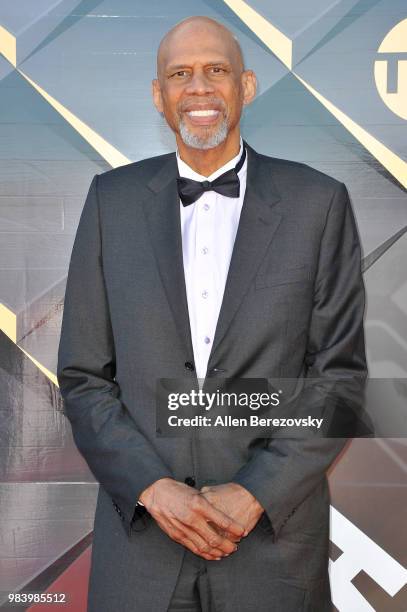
x=75, y=100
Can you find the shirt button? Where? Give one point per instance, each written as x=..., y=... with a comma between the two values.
x=204, y=294
x=206, y=206
x=205, y=250
x=207, y=340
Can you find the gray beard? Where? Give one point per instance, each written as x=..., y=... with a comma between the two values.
x=203, y=142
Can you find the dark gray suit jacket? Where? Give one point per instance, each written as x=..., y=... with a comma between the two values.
x=293, y=306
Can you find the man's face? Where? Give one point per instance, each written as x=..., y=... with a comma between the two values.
x=201, y=86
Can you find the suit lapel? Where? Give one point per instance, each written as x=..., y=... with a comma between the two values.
x=163, y=217
x=257, y=226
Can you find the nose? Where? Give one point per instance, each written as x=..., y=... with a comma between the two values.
x=199, y=84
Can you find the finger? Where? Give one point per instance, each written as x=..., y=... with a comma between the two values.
x=214, y=502
x=209, y=535
x=197, y=551
x=202, y=546
x=197, y=544
x=194, y=519
x=212, y=537
x=195, y=528
x=176, y=529
x=178, y=535
x=224, y=534
x=221, y=520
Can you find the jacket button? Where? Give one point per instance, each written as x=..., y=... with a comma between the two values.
x=189, y=366
x=190, y=481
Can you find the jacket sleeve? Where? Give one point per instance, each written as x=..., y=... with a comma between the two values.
x=282, y=474
x=118, y=454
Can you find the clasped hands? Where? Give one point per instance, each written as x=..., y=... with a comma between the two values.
x=210, y=522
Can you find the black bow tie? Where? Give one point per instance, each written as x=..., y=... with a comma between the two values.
x=226, y=184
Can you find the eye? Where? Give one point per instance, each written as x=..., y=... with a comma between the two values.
x=217, y=69
x=180, y=73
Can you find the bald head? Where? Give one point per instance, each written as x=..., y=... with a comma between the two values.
x=201, y=88
x=191, y=30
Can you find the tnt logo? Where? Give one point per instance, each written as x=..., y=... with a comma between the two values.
x=390, y=71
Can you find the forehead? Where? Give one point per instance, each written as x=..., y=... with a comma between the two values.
x=198, y=45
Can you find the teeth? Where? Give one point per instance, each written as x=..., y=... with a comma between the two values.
x=203, y=113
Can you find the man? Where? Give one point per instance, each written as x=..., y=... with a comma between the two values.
x=257, y=275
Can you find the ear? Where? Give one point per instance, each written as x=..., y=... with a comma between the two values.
x=249, y=83
x=156, y=90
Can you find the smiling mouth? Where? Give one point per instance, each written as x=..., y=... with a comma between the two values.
x=202, y=113
x=203, y=117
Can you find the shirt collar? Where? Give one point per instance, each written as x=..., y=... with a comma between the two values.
x=187, y=172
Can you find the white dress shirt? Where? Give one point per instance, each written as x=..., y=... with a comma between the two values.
x=208, y=228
